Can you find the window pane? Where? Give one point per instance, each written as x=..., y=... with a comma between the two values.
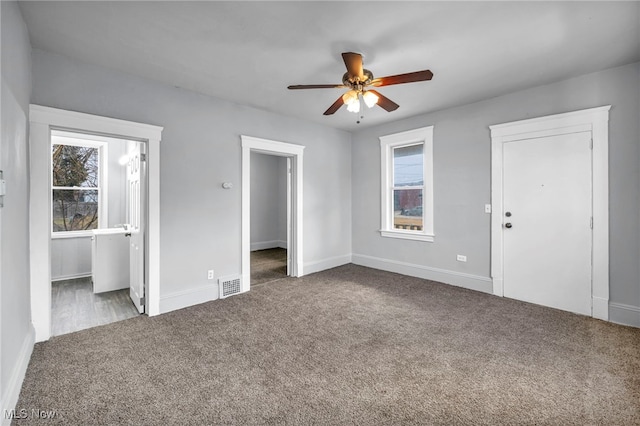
x=75, y=166
x=75, y=210
x=408, y=165
x=407, y=209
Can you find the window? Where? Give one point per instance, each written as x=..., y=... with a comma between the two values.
x=407, y=184
x=77, y=191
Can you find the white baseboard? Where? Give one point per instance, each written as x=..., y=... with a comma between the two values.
x=321, y=265
x=459, y=279
x=71, y=277
x=263, y=245
x=600, y=308
x=182, y=299
x=624, y=314
x=12, y=392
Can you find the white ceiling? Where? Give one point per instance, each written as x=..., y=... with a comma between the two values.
x=249, y=52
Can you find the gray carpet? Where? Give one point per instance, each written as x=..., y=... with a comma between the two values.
x=268, y=265
x=350, y=345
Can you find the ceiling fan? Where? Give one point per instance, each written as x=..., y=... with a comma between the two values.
x=358, y=79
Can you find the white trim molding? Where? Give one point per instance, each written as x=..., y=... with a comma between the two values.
x=458, y=279
x=422, y=136
x=185, y=298
x=624, y=314
x=282, y=149
x=265, y=245
x=11, y=393
x=71, y=276
x=328, y=263
x=42, y=120
x=594, y=120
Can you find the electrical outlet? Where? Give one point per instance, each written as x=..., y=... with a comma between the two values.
x=487, y=208
x=461, y=258
x=210, y=274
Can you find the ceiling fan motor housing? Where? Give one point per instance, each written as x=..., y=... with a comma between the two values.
x=358, y=79
x=355, y=83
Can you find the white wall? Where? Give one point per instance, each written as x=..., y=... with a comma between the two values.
x=200, y=221
x=268, y=208
x=462, y=166
x=16, y=332
x=71, y=257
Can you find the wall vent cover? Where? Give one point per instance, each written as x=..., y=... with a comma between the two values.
x=229, y=286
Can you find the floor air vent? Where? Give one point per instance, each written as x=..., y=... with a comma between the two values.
x=229, y=286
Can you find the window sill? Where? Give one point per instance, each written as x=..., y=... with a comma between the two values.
x=71, y=234
x=407, y=235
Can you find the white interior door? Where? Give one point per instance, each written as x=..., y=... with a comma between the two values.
x=136, y=225
x=547, y=221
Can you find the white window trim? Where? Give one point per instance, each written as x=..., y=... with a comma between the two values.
x=78, y=139
x=423, y=135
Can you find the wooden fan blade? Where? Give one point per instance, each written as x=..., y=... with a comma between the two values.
x=385, y=102
x=353, y=62
x=411, y=77
x=336, y=105
x=316, y=86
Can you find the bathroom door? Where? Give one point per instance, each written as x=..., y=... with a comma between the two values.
x=136, y=189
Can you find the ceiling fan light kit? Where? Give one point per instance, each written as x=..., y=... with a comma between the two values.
x=357, y=79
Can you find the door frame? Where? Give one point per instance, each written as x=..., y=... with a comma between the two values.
x=42, y=120
x=295, y=233
x=594, y=120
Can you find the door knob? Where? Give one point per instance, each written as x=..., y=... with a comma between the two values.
x=508, y=225
x=508, y=214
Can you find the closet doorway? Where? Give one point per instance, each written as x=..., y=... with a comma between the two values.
x=271, y=211
x=270, y=217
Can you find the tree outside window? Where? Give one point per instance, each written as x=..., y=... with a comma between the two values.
x=76, y=187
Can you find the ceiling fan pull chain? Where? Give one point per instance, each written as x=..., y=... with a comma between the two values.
x=361, y=112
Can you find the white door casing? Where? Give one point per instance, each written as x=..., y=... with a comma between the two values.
x=593, y=121
x=136, y=228
x=547, y=215
x=41, y=121
x=289, y=233
x=295, y=239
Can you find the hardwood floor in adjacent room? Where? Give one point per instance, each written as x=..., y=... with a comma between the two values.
x=75, y=307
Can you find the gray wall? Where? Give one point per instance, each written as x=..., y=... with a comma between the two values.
x=200, y=223
x=71, y=257
x=462, y=165
x=268, y=208
x=16, y=337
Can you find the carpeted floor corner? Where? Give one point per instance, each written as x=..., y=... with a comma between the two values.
x=350, y=345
